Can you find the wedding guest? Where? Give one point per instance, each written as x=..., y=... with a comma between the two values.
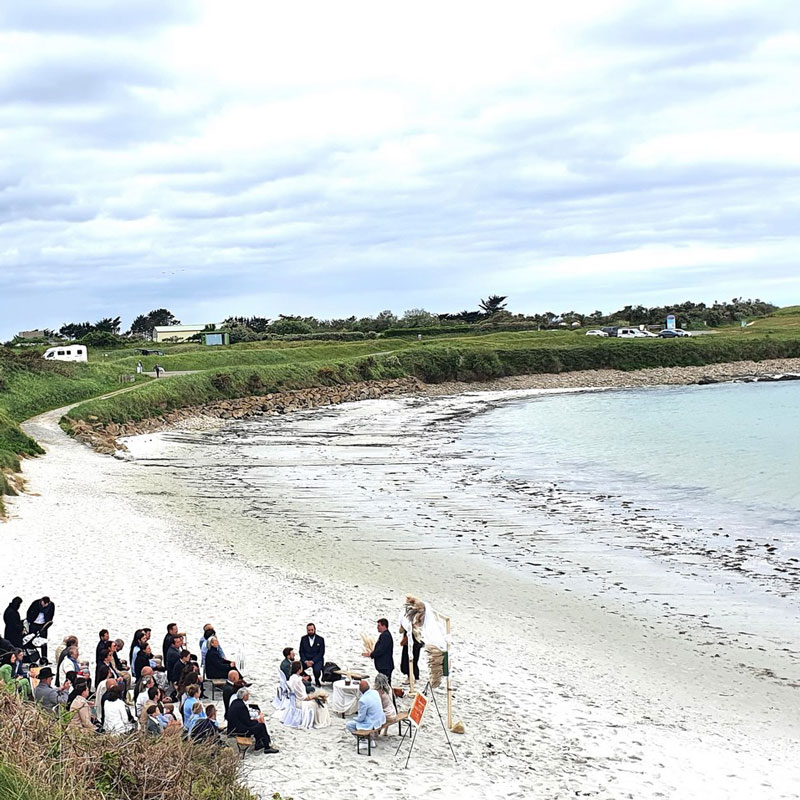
x=312, y=651
x=382, y=654
x=13, y=622
x=81, y=709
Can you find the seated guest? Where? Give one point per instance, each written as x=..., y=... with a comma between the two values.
x=152, y=725
x=197, y=714
x=173, y=653
x=192, y=695
x=61, y=670
x=104, y=666
x=147, y=674
x=174, y=674
x=144, y=695
x=116, y=717
x=136, y=645
x=385, y=692
x=143, y=658
x=81, y=709
x=286, y=664
x=46, y=695
x=206, y=729
x=241, y=724
x=190, y=674
x=153, y=698
x=19, y=684
x=370, y=711
x=232, y=685
x=105, y=637
x=119, y=665
x=167, y=716
x=216, y=665
x=172, y=632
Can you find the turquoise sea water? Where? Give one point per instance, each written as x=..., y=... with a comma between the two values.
x=729, y=446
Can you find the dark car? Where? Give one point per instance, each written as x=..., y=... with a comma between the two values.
x=675, y=333
x=145, y=352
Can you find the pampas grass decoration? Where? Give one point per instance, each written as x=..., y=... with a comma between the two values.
x=368, y=642
x=415, y=611
x=435, y=665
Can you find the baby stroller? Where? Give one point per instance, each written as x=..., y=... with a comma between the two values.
x=31, y=649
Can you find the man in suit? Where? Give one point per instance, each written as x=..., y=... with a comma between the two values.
x=172, y=632
x=312, y=651
x=241, y=724
x=383, y=654
x=40, y=618
x=232, y=685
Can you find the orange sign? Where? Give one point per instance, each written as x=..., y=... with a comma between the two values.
x=418, y=709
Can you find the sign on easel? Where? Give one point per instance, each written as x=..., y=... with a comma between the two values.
x=418, y=709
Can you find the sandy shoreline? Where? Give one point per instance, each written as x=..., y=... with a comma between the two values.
x=335, y=516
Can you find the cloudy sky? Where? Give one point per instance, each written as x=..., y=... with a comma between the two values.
x=251, y=157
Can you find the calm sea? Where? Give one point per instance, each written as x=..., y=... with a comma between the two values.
x=731, y=449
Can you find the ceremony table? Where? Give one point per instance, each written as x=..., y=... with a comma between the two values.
x=344, y=698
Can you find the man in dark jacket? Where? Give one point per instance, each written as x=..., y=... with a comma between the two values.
x=232, y=685
x=383, y=654
x=241, y=724
x=312, y=651
x=172, y=632
x=216, y=665
x=173, y=653
x=13, y=622
x=40, y=618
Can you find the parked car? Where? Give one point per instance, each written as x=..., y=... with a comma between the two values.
x=631, y=333
x=148, y=352
x=596, y=332
x=673, y=334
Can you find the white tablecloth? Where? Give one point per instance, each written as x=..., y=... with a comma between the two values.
x=344, y=699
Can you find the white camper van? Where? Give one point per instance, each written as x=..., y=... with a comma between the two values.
x=67, y=352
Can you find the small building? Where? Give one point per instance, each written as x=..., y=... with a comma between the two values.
x=176, y=333
x=216, y=338
x=35, y=334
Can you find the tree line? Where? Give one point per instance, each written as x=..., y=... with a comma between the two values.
x=490, y=312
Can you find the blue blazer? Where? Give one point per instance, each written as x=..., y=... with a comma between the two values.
x=315, y=653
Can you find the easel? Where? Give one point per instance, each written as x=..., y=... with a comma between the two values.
x=416, y=728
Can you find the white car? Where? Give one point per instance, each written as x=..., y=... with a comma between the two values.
x=596, y=332
x=632, y=333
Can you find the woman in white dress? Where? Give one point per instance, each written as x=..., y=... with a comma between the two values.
x=301, y=713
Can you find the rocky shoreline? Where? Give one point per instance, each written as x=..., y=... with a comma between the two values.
x=104, y=437
x=736, y=371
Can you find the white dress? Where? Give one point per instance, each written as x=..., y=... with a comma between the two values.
x=302, y=715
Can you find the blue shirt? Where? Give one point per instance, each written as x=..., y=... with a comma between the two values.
x=370, y=711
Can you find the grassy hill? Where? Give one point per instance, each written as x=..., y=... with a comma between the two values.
x=29, y=385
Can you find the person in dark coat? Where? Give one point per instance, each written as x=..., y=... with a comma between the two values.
x=241, y=724
x=216, y=665
x=232, y=685
x=172, y=632
x=143, y=658
x=102, y=644
x=206, y=729
x=13, y=622
x=175, y=672
x=383, y=654
x=312, y=651
x=40, y=617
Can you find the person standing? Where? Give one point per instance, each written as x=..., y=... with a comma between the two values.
x=40, y=617
x=13, y=622
x=312, y=651
x=404, y=660
x=383, y=653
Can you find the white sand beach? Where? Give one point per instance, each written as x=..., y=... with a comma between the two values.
x=567, y=685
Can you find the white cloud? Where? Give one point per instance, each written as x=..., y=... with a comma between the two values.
x=342, y=158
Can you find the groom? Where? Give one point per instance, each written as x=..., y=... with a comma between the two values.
x=312, y=651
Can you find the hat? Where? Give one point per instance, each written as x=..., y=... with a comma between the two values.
x=45, y=673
